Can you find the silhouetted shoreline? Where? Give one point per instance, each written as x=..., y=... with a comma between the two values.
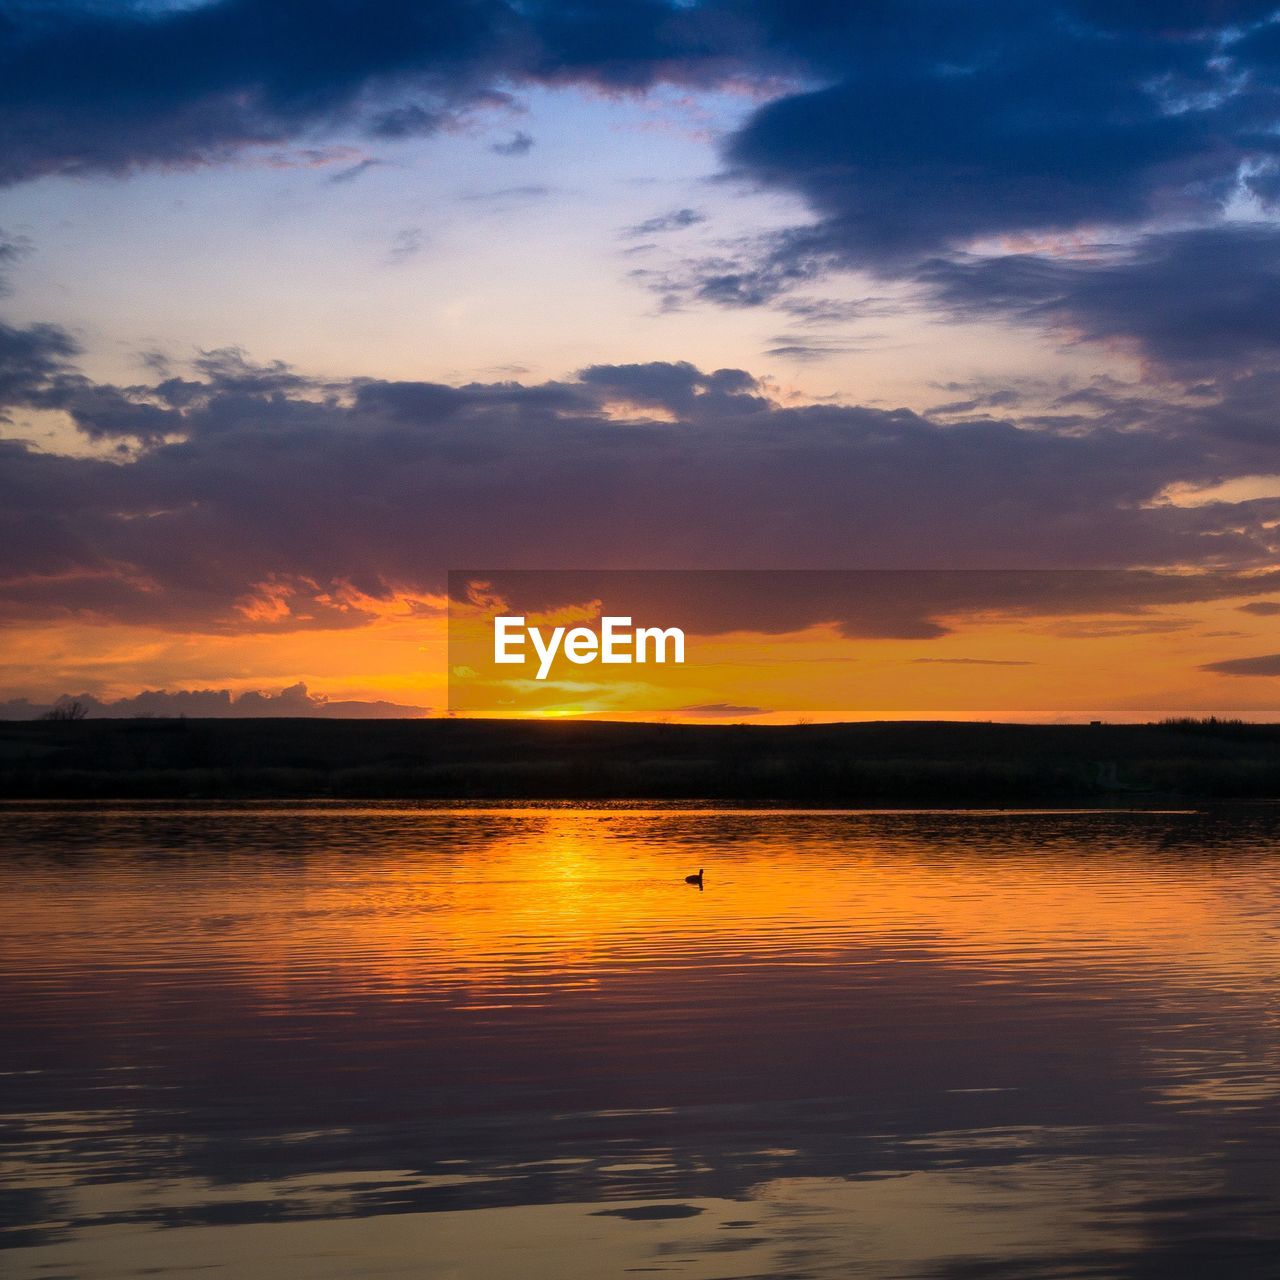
x=873, y=763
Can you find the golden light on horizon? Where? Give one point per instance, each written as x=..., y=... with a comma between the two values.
x=1016, y=665
x=1124, y=666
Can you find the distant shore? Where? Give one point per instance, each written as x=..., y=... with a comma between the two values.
x=874, y=763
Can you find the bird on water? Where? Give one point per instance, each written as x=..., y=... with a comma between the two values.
x=695, y=879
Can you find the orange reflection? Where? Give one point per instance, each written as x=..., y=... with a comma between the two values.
x=492, y=906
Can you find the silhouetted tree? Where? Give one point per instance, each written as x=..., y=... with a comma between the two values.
x=67, y=711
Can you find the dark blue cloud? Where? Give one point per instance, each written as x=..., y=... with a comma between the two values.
x=1194, y=300
x=943, y=122
x=86, y=87
x=33, y=361
x=679, y=388
x=900, y=166
x=934, y=130
x=632, y=44
x=1050, y=112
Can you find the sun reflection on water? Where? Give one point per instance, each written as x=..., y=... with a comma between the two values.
x=887, y=1041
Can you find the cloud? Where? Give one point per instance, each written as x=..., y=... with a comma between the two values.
x=217, y=704
x=1198, y=303
x=86, y=87
x=12, y=249
x=1190, y=300
x=821, y=311
x=1001, y=398
x=938, y=127
x=874, y=604
x=35, y=365
x=720, y=711
x=1017, y=162
x=405, y=244
x=1267, y=665
x=1026, y=116
x=519, y=144
x=678, y=388
x=413, y=120
x=975, y=662
x=1042, y=140
x=1007, y=160
x=791, y=347
x=676, y=220
x=332, y=500
x=352, y=172
x=1262, y=608
x=757, y=275
x=526, y=191
x=93, y=88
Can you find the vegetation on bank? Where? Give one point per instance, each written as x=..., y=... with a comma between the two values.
x=879, y=763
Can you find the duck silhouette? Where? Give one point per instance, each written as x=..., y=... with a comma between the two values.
x=695, y=879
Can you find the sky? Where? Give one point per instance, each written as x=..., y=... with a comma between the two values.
x=306, y=304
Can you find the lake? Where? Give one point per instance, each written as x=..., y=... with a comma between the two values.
x=332, y=1040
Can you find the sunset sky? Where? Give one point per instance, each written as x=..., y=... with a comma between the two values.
x=308, y=302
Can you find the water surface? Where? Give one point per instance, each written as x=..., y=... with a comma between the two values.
x=336, y=1041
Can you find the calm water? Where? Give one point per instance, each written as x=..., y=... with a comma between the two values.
x=335, y=1041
